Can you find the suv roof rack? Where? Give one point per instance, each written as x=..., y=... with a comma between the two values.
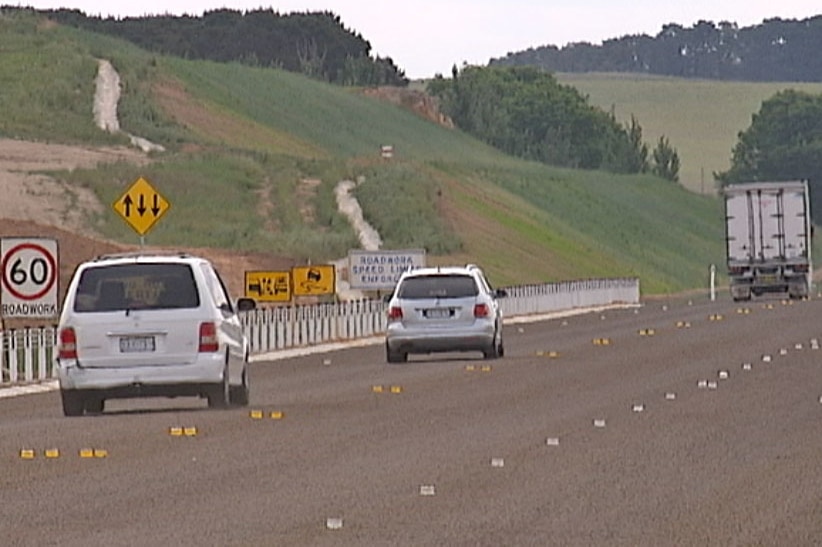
x=137, y=254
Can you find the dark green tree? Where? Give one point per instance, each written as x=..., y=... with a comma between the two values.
x=783, y=142
x=315, y=44
x=666, y=160
x=525, y=112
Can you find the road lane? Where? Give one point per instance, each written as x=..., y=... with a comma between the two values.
x=592, y=430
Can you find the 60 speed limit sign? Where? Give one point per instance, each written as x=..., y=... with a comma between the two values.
x=30, y=269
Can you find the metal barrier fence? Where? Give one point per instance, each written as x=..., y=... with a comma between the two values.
x=27, y=355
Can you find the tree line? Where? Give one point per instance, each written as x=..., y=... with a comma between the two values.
x=316, y=44
x=783, y=142
x=526, y=112
x=775, y=50
x=521, y=110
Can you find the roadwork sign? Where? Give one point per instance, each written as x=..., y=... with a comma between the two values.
x=30, y=271
x=268, y=286
x=141, y=206
x=314, y=280
x=375, y=270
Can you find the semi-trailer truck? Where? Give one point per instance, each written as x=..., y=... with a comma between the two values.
x=768, y=238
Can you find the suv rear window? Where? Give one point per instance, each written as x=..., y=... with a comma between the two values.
x=438, y=286
x=136, y=286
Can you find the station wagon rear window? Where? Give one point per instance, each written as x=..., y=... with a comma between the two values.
x=136, y=286
x=438, y=286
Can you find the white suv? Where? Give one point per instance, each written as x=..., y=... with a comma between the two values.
x=443, y=309
x=150, y=325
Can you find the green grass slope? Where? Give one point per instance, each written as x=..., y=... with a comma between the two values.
x=700, y=118
x=254, y=156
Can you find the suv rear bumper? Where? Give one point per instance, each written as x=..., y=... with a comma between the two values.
x=476, y=338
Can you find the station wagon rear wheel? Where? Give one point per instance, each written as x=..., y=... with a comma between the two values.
x=239, y=395
x=219, y=395
x=73, y=404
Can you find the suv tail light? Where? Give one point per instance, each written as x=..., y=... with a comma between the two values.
x=208, y=338
x=68, y=344
x=481, y=310
x=395, y=313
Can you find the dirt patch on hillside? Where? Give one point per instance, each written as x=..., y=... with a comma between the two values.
x=34, y=204
x=414, y=100
x=29, y=194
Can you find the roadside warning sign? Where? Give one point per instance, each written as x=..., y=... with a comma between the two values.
x=268, y=286
x=141, y=206
x=30, y=269
x=313, y=280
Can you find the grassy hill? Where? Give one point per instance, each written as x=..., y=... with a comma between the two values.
x=701, y=118
x=254, y=155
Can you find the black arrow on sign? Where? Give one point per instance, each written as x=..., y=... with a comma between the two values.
x=127, y=202
x=142, y=208
x=156, y=206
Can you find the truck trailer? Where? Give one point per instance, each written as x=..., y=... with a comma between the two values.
x=768, y=238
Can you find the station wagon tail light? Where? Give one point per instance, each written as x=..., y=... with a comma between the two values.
x=208, y=338
x=481, y=310
x=395, y=313
x=68, y=344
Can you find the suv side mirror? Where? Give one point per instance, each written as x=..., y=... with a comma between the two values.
x=246, y=304
x=500, y=293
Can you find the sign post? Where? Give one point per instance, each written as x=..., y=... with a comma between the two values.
x=141, y=206
x=30, y=270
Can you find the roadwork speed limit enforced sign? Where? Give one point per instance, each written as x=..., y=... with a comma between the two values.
x=30, y=269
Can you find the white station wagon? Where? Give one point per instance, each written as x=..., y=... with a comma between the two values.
x=150, y=325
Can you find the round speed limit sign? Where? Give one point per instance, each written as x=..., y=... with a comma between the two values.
x=29, y=277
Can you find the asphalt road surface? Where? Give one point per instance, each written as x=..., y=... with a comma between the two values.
x=673, y=424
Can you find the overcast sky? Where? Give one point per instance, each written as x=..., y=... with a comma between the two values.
x=425, y=37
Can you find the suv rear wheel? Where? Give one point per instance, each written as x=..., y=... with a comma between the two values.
x=94, y=405
x=395, y=356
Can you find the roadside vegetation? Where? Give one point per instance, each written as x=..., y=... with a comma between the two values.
x=242, y=142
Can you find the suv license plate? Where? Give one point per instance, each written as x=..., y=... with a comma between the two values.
x=134, y=344
x=438, y=313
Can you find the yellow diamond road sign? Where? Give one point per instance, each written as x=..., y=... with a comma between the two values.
x=141, y=206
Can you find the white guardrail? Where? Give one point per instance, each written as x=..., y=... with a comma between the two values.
x=27, y=354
